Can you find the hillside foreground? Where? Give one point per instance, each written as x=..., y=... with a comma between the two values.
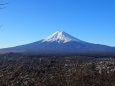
x=57, y=71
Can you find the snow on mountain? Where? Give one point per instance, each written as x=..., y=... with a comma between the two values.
x=60, y=43
x=60, y=37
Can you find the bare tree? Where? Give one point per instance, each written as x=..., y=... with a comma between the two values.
x=2, y=4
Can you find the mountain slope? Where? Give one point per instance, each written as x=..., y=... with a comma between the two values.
x=60, y=37
x=60, y=43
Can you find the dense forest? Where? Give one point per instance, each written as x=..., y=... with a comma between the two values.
x=56, y=71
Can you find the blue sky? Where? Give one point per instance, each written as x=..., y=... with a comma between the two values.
x=26, y=21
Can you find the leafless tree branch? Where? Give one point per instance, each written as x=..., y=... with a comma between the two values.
x=2, y=4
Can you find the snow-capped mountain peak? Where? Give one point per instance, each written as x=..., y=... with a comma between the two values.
x=60, y=36
x=60, y=43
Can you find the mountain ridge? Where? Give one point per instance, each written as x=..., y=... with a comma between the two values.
x=60, y=42
x=60, y=36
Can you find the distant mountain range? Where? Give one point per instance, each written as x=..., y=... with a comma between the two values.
x=60, y=43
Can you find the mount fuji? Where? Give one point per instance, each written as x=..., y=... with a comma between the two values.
x=60, y=42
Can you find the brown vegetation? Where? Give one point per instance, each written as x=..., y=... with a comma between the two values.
x=52, y=71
